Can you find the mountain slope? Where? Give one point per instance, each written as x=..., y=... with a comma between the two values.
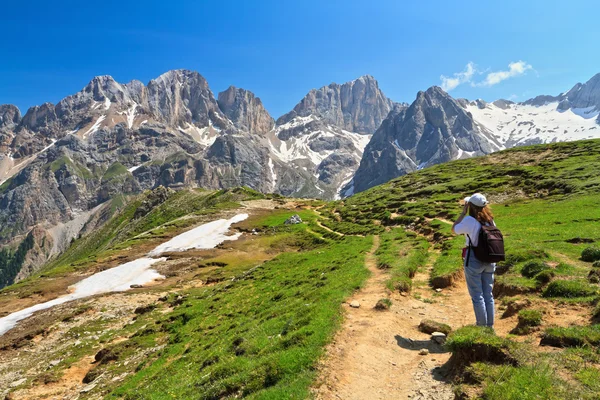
x=433, y=129
x=325, y=134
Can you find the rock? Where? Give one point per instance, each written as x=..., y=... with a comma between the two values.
x=293, y=220
x=54, y=363
x=88, y=388
x=430, y=326
x=423, y=352
x=18, y=382
x=136, y=286
x=438, y=290
x=438, y=337
x=354, y=304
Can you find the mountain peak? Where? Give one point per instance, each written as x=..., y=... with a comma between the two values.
x=245, y=110
x=356, y=106
x=10, y=116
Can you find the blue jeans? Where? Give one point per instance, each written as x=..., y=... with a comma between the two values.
x=480, y=281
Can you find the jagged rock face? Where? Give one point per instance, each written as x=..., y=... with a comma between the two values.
x=357, y=106
x=582, y=95
x=585, y=95
x=10, y=116
x=39, y=250
x=41, y=119
x=245, y=110
x=183, y=97
x=435, y=128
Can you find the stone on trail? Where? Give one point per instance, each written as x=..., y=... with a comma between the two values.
x=423, y=352
x=438, y=337
x=354, y=304
x=429, y=326
x=293, y=220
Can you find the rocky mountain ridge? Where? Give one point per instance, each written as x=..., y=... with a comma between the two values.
x=60, y=162
x=437, y=128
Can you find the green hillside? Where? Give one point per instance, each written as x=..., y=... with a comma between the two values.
x=252, y=317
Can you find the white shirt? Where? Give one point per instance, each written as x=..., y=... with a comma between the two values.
x=469, y=226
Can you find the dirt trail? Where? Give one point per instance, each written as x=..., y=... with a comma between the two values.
x=375, y=355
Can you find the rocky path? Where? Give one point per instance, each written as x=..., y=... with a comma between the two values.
x=378, y=354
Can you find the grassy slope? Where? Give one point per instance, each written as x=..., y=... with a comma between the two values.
x=544, y=199
x=261, y=336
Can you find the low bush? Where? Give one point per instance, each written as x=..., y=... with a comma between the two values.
x=532, y=268
x=569, y=289
x=383, y=304
x=591, y=254
x=545, y=276
x=530, y=317
x=573, y=336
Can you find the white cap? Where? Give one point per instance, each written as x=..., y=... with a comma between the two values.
x=478, y=199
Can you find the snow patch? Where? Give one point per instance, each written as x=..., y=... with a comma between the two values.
x=115, y=279
x=273, y=174
x=134, y=168
x=137, y=272
x=205, y=136
x=106, y=103
x=205, y=236
x=94, y=127
x=131, y=115
x=522, y=123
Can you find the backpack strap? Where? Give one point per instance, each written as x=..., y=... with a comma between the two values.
x=469, y=250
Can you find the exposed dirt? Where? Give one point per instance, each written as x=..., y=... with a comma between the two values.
x=375, y=355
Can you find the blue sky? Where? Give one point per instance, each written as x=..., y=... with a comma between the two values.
x=281, y=49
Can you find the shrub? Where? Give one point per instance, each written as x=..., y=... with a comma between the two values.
x=570, y=289
x=573, y=336
x=516, y=257
x=591, y=254
x=532, y=268
x=383, y=304
x=530, y=318
x=544, y=276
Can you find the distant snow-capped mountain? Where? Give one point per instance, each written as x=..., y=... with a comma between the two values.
x=324, y=136
x=437, y=128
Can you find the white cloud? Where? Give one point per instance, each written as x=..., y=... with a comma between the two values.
x=458, y=78
x=492, y=78
x=514, y=69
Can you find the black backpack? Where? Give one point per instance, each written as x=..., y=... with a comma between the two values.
x=490, y=247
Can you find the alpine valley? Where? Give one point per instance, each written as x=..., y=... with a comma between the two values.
x=63, y=165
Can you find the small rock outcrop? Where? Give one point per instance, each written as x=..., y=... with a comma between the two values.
x=293, y=220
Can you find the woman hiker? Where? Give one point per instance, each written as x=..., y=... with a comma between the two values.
x=478, y=274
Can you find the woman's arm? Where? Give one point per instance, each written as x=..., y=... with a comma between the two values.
x=460, y=217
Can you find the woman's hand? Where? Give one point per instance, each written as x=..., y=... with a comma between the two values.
x=461, y=216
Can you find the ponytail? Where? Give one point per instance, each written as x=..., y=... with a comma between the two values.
x=482, y=214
